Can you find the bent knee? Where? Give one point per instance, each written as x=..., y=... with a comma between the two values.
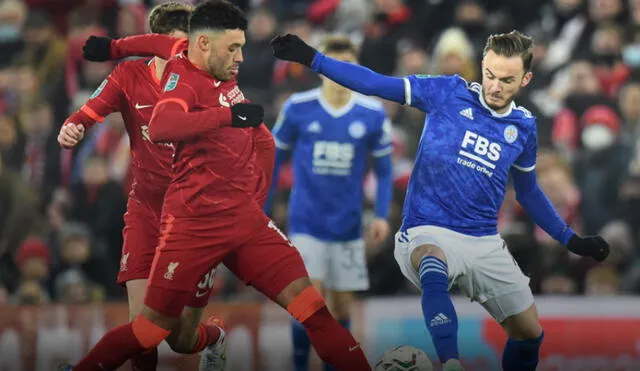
x=426, y=250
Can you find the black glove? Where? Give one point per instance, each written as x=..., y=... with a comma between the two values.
x=246, y=115
x=593, y=246
x=291, y=48
x=97, y=49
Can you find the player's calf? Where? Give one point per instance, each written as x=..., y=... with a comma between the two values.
x=122, y=343
x=148, y=360
x=439, y=314
x=333, y=343
x=525, y=338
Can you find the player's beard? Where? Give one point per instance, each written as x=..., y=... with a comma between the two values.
x=217, y=68
x=498, y=107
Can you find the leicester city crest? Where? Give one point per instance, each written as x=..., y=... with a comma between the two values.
x=357, y=129
x=510, y=133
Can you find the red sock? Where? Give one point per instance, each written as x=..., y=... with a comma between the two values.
x=206, y=335
x=122, y=343
x=333, y=343
x=146, y=361
x=114, y=349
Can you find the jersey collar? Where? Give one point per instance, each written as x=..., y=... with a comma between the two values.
x=154, y=71
x=494, y=113
x=339, y=111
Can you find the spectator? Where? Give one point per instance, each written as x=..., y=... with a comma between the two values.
x=78, y=251
x=602, y=281
x=99, y=202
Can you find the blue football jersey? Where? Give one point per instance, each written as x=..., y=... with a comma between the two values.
x=464, y=157
x=330, y=154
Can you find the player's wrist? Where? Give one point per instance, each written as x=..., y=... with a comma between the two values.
x=225, y=116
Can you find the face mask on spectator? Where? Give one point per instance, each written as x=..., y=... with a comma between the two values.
x=9, y=32
x=597, y=136
x=631, y=55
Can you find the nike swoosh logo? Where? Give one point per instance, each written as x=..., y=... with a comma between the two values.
x=217, y=83
x=200, y=294
x=243, y=118
x=351, y=349
x=138, y=106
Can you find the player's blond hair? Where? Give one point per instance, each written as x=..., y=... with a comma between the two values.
x=337, y=44
x=168, y=17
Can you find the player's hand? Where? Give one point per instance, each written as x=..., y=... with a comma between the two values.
x=70, y=135
x=378, y=232
x=291, y=48
x=246, y=115
x=593, y=246
x=97, y=49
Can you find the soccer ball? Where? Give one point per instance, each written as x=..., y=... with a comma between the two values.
x=404, y=358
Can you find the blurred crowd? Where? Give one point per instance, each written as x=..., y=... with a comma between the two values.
x=61, y=210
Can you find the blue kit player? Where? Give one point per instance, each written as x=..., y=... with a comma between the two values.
x=474, y=138
x=330, y=133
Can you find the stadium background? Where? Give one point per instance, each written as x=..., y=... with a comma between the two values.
x=61, y=211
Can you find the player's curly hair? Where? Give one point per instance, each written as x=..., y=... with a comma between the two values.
x=337, y=44
x=168, y=17
x=512, y=44
x=217, y=15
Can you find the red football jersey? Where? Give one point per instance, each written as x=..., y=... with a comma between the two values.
x=133, y=89
x=214, y=172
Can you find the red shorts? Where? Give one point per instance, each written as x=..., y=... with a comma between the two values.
x=190, y=249
x=140, y=235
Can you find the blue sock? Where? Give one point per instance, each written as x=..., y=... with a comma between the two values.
x=438, y=310
x=346, y=323
x=301, y=346
x=521, y=355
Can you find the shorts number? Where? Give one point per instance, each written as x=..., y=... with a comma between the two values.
x=208, y=280
x=353, y=262
x=273, y=226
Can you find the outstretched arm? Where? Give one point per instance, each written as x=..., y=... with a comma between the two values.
x=101, y=49
x=360, y=79
x=354, y=77
x=158, y=45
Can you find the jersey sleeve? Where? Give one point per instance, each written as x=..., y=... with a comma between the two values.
x=527, y=159
x=426, y=92
x=106, y=99
x=173, y=118
x=285, y=131
x=158, y=45
x=380, y=144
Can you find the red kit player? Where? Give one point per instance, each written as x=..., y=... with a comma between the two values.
x=164, y=46
x=133, y=89
x=210, y=214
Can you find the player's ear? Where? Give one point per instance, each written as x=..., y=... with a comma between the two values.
x=203, y=42
x=526, y=79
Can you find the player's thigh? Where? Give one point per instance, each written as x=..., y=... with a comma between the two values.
x=140, y=239
x=136, y=290
x=315, y=254
x=186, y=252
x=499, y=284
x=347, y=266
x=269, y=262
